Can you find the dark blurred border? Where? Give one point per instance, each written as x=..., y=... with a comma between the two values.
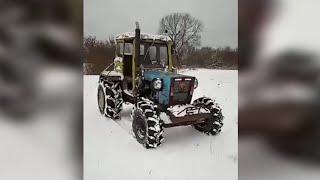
x=41, y=83
x=279, y=95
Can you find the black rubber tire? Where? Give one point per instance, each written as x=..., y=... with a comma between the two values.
x=112, y=99
x=101, y=99
x=213, y=125
x=146, y=124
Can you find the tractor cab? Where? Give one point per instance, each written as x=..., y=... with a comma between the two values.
x=136, y=54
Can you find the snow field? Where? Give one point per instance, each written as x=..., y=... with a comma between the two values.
x=111, y=151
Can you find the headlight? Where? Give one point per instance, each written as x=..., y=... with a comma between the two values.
x=157, y=84
x=195, y=85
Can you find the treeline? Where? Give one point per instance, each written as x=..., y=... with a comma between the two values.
x=212, y=58
x=99, y=54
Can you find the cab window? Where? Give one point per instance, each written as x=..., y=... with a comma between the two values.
x=128, y=48
x=119, y=49
x=153, y=54
x=163, y=55
x=141, y=49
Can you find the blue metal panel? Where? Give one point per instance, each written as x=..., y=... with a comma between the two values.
x=166, y=77
x=163, y=95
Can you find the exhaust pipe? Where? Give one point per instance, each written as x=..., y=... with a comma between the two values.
x=136, y=59
x=137, y=43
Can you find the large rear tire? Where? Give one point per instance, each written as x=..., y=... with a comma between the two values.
x=110, y=99
x=214, y=123
x=146, y=125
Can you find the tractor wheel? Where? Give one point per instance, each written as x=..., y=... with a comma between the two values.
x=147, y=126
x=110, y=99
x=213, y=124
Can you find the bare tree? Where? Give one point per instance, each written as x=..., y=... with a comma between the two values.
x=184, y=30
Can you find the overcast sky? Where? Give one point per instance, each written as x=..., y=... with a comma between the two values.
x=106, y=18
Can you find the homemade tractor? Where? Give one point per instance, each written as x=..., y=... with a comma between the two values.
x=143, y=74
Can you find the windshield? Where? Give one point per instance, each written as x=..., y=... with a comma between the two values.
x=154, y=54
x=150, y=53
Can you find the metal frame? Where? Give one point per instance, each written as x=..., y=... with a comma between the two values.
x=186, y=120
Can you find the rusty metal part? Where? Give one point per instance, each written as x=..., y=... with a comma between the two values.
x=186, y=120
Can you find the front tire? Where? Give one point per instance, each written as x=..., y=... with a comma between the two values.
x=110, y=99
x=147, y=126
x=214, y=123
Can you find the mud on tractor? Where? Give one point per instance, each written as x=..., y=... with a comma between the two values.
x=143, y=74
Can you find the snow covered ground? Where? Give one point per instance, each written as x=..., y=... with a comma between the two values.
x=111, y=152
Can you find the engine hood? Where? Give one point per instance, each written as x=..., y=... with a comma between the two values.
x=168, y=95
